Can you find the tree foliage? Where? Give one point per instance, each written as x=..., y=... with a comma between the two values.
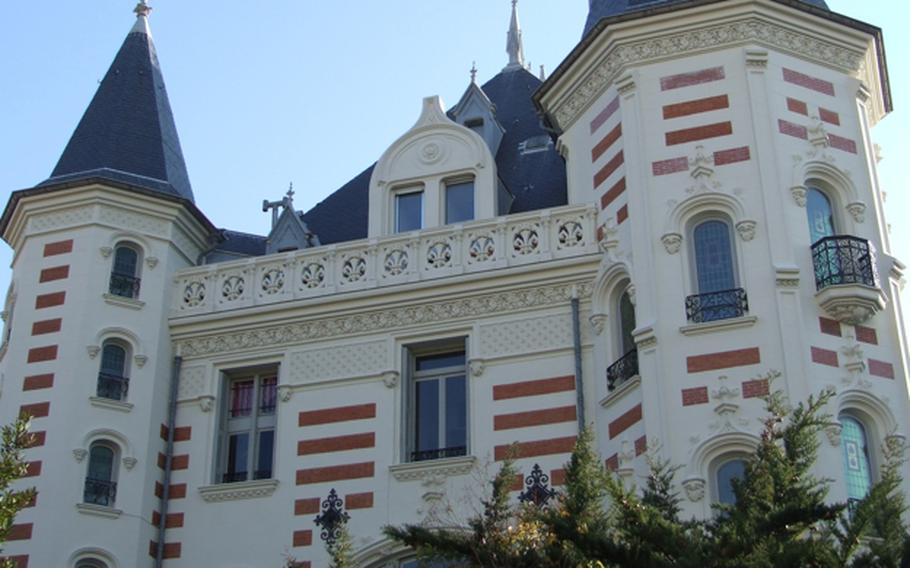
x=781, y=518
x=14, y=440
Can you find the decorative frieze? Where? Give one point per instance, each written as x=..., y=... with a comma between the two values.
x=342, y=362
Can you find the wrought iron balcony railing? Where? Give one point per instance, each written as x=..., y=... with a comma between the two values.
x=843, y=259
x=124, y=285
x=713, y=306
x=453, y=452
x=622, y=370
x=113, y=387
x=99, y=492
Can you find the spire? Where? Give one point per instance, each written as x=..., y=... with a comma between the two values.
x=514, y=46
x=127, y=134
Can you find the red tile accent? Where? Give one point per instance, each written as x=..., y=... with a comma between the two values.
x=612, y=462
x=693, y=78
x=723, y=360
x=299, y=564
x=340, y=414
x=622, y=214
x=549, y=447
x=605, y=172
x=358, y=500
x=533, y=388
x=180, y=462
x=641, y=446
x=19, y=561
x=614, y=192
x=841, y=143
x=46, y=326
x=699, y=133
x=606, y=142
x=59, y=247
x=50, y=300
x=756, y=388
x=335, y=473
x=696, y=106
x=178, y=491
x=21, y=531
x=181, y=433
x=791, y=129
x=33, y=469
x=881, y=369
x=829, y=326
x=671, y=166
x=336, y=444
x=534, y=418
x=557, y=476
x=159, y=489
x=173, y=520
x=601, y=232
x=37, y=410
x=39, y=354
x=866, y=335
x=303, y=538
x=37, y=382
x=605, y=114
x=809, y=82
x=626, y=421
x=824, y=357
x=55, y=273
x=306, y=506
x=797, y=106
x=36, y=439
x=829, y=116
x=732, y=156
x=698, y=395
x=518, y=483
x=171, y=549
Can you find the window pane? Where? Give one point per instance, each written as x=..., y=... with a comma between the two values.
x=460, y=202
x=408, y=211
x=113, y=360
x=456, y=413
x=125, y=260
x=821, y=219
x=441, y=361
x=241, y=398
x=238, y=452
x=427, y=416
x=265, y=451
x=856, y=458
x=101, y=463
x=726, y=473
x=627, y=322
x=268, y=392
x=713, y=257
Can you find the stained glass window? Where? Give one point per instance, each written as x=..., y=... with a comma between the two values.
x=821, y=218
x=857, y=469
x=713, y=257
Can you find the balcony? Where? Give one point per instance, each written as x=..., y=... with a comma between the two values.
x=101, y=492
x=124, y=285
x=438, y=454
x=622, y=370
x=419, y=256
x=846, y=278
x=112, y=387
x=714, y=306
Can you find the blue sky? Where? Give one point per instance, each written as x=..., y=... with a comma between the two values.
x=304, y=91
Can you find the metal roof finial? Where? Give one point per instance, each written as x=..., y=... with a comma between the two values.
x=142, y=9
x=514, y=46
x=473, y=72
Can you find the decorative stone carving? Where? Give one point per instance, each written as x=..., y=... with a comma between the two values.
x=695, y=489
x=895, y=446
x=206, y=403
x=129, y=462
x=477, y=367
x=192, y=382
x=671, y=242
x=787, y=277
x=746, y=229
x=353, y=269
x=701, y=168
x=79, y=454
x=140, y=360
x=431, y=153
x=851, y=304
x=312, y=275
x=338, y=362
x=857, y=210
x=439, y=255
x=151, y=261
x=598, y=322
x=625, y=86
x=832, y=432
x=444, y=468
x=93, y=350
x=530, y=335
x=525, y=241
x=756, y=60
x=285, y=392
x=238, y=491
x=194, y=294
x=724, y=392
x=396, y=262
x=854, y=356
x=570, y=234
x=818, y=134
x=106, y=251
x=482, y=248
x=799, y=193
x=272, y=281
x=390, y=379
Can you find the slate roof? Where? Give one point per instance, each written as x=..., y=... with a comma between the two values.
x=241, y=243
x=127, y=134
x=600, y=9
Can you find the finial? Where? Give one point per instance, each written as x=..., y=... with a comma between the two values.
x=473, y=72
x=514, y=46
x=543, y=75
x=142, y=9
x=290, y=193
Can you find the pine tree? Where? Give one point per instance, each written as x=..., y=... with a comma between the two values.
x=14, y=439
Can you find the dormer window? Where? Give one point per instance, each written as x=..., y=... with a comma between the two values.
x=459, y=201
x=535, y=144
x=408, y=210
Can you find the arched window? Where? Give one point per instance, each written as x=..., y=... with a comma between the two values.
x=125, y=272
x=718, y=296
x=857, y=465
x=626, y=323
x=113, y=381
x=626, y=366
x=820, y=214
x=724, y=476
x=91, y=563
x=100, y=480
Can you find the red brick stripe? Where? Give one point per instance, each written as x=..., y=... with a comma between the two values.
x=732, y=156
x=756, y=388
x=50, y=300
x=809, y=82
x=605, y=172
x=723, y=360
x=21, y=531
x=797, y=106
x=33, y=469
x=340, y=414
x=829, y=116
x=359, y=500
x=173, y=521
x=55, y=273
x=177, y=491
x=336, y=444
x=533, y=388
x=829, y=326
x=824, y=357
x=46, y=326
x=614, y=192
x=303, y=538
x=699, y=133
x=549, y=447
x=534, y=418
x=791, y=129
x=19, y=561
x=36, y=439
x=557, y=476
x=693, y=78
x=39, y=354
x=37, y=382
x=696, y=106
x=866, y=335
x=842, y=143
x=180, y=462
x=698, y=395
x=671, y=166
x=641, y=446
x=59, y=247
x=171, y=549
x=622, y=214
x=605, y=114
x=306, y=506
x=607, y=141
x=881, y=369
x=37, y=410
x=335, y=473
x=626, y=421
x=612, y=462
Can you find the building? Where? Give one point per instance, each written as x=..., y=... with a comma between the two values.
x=686, y=210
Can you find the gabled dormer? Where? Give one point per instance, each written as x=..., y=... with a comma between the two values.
x=476, y=111
x=289, y=232
x=438, y=173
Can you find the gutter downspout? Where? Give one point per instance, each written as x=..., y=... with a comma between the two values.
x=168, y=456
x=576, y=340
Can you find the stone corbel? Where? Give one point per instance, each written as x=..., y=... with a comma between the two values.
x=626, y=86
x=390, y=378
x=129, y=463
x=694, y=488
x=477, y=367
x=106, y=251
x=799, y=193
x=141, y=360
x=756, y=60
x=818, y=134
x=895, y=445
x=93, y=350
x=746, y=229
x=857, y=210
x=151, y=261
x=79, y=454
x=598, y=322
x=285, y=392
x=832, y=431
x=671, y=242
x=206, y=403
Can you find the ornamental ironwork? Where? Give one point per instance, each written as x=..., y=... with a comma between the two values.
x=332, y=519
x=440, y=453
x=101, y=492
x=538, y=489
x=844, y=259
x=713, y=306
x=124, y=285
x=622, y=370
x=113, y=387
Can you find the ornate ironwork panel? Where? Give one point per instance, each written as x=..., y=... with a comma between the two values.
x=99, y=492
x=112, y=386
x=714, y=306
x=537, y=490
x=843, y=259
x=332, y=519
x=453, y=452
x=622, y=370
x=124, y=285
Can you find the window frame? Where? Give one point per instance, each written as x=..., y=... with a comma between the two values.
x=693, y=251
x=253, y=424
x=396, y=217
x=866, y=428
x=124, y=373
x=453, y=183
x=135, y=279
x=113, y=479
x=716, y=467
x=832, y=200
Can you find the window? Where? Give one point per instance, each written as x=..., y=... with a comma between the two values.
x=626, y=323
x=718, y=296
x=408, y=211
x=857, y=465
x=100, y=480
x=91, y=564
x=248, y=430
x=459, y=202
x=113, y=382
x=438, y=404
x=820, y=213
x=726, y=473
x=125, y=272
